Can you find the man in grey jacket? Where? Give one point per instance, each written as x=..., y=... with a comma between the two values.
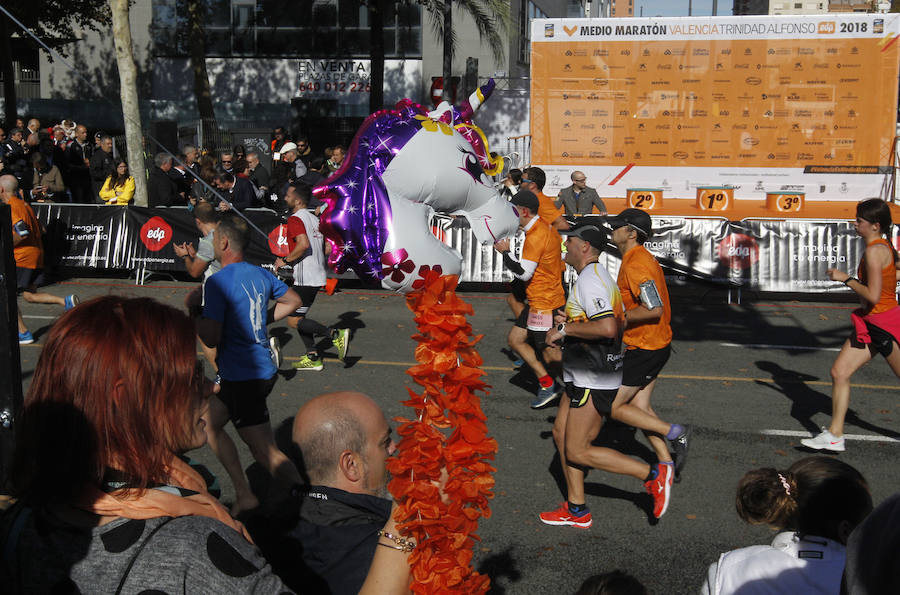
x=579, y=198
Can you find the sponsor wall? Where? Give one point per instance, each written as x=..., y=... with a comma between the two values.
x=765, y=104
x=765, y=255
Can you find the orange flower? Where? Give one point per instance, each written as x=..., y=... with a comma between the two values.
x=449, y=373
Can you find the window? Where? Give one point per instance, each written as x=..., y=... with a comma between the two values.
x=288, y=28
x=798, y=5
x=529, y=10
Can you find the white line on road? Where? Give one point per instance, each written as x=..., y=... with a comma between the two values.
x=799, y=434
x=767, y=346
x=39, y=317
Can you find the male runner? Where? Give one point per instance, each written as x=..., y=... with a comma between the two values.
x=235, y=303
x=307, y=256
x=591, y=336
x=648, y=336
x=28, y=250
x=541, y=267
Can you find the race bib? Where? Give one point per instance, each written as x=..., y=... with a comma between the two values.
x=540, y=320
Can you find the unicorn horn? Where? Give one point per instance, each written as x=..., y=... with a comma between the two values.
x=471, y=105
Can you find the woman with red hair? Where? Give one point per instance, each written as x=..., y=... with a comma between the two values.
x=106, y=503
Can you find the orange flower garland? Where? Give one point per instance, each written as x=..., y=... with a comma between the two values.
x=450, y=433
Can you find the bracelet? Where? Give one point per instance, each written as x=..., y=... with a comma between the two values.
x=404, y=545
x=849, y=279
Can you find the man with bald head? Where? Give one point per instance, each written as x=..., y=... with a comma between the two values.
x=344, y=440
x=579, y=198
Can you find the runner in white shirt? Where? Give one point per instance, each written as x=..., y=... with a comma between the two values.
x=307, y=256
x=592, y=352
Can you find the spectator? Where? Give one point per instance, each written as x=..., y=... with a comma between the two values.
x=873, y=552
x=304, y=151
x=259, y=175
x=225, y=161
x=118, y=190
x=336, y=159
x=290, y=154
x=102, y=165
x=2, y=140
x=191, y=158
x=279, y=138
x=239, y=152
x=161, y=188
x=59, y=135
x=344, y=440
x=236, y=190
x=106, y=500
x=34, y=127
x=183, y=180
x=205, y=192
x=579, y=198
x=15, y=162
x=79, y=157
x=511, y=183
x=46, y=183
x=816, y=503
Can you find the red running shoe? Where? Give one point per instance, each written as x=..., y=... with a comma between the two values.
x=660, y=489
x=562, y=516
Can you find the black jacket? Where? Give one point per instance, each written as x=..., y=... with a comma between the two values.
x=338, y=532
x=161, y=190
x=242, y=195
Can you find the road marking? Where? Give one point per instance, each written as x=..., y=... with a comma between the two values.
x=800, y=434
x=789, y=347
x=37, y=317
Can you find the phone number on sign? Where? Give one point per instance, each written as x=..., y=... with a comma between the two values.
x=339, y=87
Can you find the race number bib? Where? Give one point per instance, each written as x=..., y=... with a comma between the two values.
x=539, y=320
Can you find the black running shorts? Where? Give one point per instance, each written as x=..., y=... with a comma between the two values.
x=642, y=366
x=246, y=400
x=307, y=295
x=602, y=398
x=882, y=341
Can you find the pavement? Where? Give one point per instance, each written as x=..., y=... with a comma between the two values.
x=752, y=378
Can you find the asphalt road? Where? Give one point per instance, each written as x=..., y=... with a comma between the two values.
x=752, y=378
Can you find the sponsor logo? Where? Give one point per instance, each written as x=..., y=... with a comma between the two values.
x=155, y=234
x=570, y=31
x=278, y=241
x=750, y=141
x=753, y=80
x=680, y=155
x=548, y=32
x=599, y=140
x=739, y=251
x=601, y=82
x=826, y=28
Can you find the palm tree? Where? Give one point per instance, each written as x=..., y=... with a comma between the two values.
x=491, y=19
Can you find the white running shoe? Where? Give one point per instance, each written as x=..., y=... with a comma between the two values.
x=825, y=441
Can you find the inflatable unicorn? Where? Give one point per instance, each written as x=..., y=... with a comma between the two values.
x=403, y=165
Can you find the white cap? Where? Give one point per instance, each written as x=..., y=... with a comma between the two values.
x=288, y=147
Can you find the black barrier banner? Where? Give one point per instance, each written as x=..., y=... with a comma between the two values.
x=762, y=254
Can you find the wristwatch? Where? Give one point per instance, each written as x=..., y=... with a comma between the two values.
x=561, y=328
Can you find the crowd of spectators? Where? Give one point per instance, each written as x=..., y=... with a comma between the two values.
x=61, y=164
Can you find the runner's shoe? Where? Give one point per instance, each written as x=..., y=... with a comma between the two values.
x=680, y=445
x=562, y=516
x=546, y=395
x=26, y=338
x=660, y=488
x=72, y=301
x=340, y=338
x=308, y=363
x=275, y=351
x=825, y=441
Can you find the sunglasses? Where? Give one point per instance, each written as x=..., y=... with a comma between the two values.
x=525, y=181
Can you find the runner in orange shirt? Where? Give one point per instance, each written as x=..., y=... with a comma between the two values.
x=648, y=336
x=28, y=250
x=541, y=267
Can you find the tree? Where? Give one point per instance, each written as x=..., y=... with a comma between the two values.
x=196, y=11
x=131, y=113
x=491, y=18
x=53, y=21
x=377, y=13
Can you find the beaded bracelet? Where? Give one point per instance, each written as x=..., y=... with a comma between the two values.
x=404, y=545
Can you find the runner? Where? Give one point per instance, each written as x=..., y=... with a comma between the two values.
x=590, y=332
x=307, y=256
x=235, y=303
x=648, y=337
x=541, y=267
x=28, y=250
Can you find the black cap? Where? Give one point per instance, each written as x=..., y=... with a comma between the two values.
x=635, y=218
x=527, y=199
x=589, y=229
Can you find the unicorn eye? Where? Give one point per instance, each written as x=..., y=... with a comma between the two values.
x=472, y=167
